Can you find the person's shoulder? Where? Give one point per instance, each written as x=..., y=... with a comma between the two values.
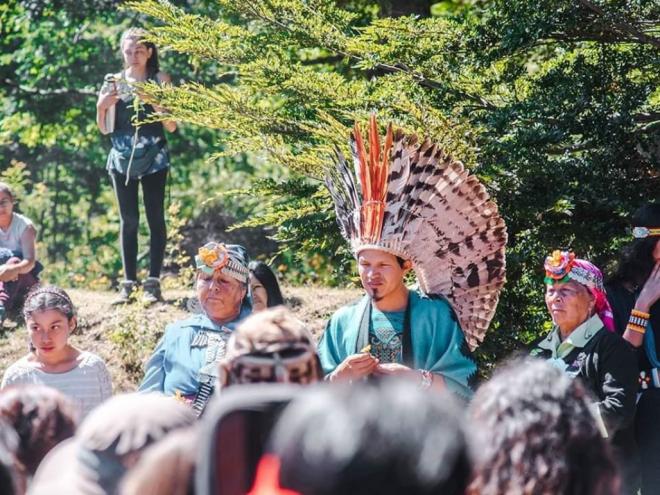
x=347, y=310
x=192, y=322
x=17, y=371
x=22, y=220
x=608, y=338
x=88, y=359
x=540, y=347
x=434, y=303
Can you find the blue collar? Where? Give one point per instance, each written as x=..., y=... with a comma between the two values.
x=202, y=320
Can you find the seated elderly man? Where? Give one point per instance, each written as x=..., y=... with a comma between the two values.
x=271, y=346
x=185, y=362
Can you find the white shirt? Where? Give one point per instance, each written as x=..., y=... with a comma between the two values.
x=11, y=238
x=87, y=385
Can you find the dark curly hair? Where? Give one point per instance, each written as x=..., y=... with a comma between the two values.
x=636, y=259
x=41, y=416
x=534, y=434
x=11, y=479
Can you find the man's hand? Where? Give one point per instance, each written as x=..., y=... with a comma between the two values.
x=396, y=369
x=355, y=367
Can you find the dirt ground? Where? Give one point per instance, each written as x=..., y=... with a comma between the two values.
x=125, y=335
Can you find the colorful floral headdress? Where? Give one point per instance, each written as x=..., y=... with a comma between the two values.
x=563, y=266
x=229, y=258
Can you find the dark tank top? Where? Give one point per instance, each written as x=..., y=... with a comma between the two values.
x=124, y=120
x=151, y=156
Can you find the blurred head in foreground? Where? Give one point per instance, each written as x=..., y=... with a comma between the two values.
x=108, y=443
x=385, y=437
x=534, y=434
x=271, y=346
x=41, y=416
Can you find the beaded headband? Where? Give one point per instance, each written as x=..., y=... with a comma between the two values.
x=643, y=232
x=561, y=267
x=229, y=259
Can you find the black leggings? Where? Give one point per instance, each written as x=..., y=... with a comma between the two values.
x=153, y=191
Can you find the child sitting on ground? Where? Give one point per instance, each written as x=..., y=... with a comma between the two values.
x=52, y=361
x=18, y=264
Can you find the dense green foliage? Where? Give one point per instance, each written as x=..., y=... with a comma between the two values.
x=53, y=56
x=555, y=104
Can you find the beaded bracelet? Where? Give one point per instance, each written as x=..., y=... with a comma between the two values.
x=638, y=321
x=640, y=314
x=636, y=328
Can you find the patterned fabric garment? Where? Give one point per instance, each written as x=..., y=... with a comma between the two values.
x=184, y=354
x=122, y=145
x=385, y=335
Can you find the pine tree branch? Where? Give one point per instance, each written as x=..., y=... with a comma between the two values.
x=421, y=79
x=610, y=37
x=622, y=26
x=48, y=92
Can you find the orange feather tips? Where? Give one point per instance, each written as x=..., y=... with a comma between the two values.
x=412, y=199
x=373, y=172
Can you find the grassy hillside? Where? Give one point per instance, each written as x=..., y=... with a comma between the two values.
x=125, y=336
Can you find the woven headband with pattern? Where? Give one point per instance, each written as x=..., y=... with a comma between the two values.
x=413, y=200
x=217, y=256
x=561, y=266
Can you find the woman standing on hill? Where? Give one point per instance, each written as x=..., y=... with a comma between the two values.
x=138, y=155
x=634, y=293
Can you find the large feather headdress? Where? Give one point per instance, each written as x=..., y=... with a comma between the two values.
x=413, y=200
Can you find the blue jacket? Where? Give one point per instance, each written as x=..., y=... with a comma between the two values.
x=438, y=343
x=175, y=363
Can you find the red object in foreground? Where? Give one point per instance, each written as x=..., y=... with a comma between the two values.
x=267, y=479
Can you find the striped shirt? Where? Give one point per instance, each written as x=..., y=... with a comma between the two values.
x=87, y=385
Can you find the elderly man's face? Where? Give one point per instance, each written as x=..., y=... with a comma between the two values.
x=569, y=304
x=220, y=295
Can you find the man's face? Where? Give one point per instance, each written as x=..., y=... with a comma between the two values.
x=220, y=294
x=380, y=273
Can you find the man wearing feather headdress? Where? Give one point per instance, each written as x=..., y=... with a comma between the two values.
x=409, y=206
